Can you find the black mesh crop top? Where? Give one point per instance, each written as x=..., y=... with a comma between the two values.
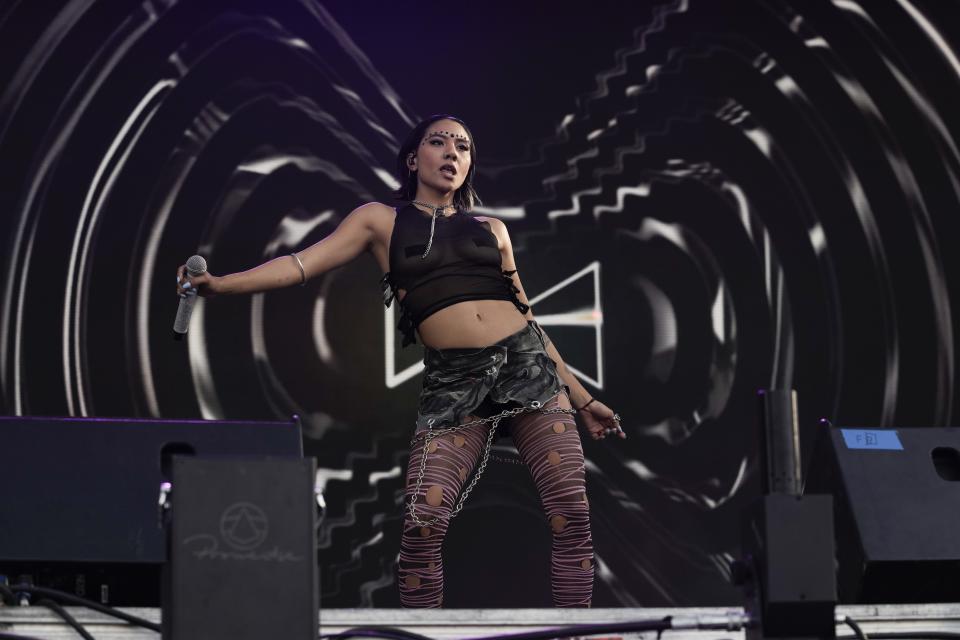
x=463, y=263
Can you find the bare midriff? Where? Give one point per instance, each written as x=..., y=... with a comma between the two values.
x=469, y=324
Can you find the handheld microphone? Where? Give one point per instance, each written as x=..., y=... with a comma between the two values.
x=196, y=265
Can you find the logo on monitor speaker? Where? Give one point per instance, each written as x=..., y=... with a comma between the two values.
x=244, y=526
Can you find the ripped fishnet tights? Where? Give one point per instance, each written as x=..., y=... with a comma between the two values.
x=550, y=447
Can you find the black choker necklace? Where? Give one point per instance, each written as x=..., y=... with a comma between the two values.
x=438, y=209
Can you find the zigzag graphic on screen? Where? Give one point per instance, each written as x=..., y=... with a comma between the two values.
x=386, y=580
x=564, y=191
x=658, y=25
x=374, y=495
x=369, y=568
x=637, y=146
x=624, y=57
x=361, y=489
x=338, y=572
x=571, y=204
x=690, y=112
x=370, y=541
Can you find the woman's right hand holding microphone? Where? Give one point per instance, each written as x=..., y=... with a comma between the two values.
x=205, y=284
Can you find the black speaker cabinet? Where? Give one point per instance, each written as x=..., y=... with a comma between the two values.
x=242, y=561
x=897, y=511
x=78, y=511
x=788, y=543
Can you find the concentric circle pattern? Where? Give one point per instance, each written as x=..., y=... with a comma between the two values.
x=753, y=194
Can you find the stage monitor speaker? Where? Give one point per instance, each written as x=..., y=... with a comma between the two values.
x=242, y=561
x=80, y=498
x=788, y=544
x=896, y=496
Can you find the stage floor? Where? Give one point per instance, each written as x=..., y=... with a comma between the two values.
x=469, y=623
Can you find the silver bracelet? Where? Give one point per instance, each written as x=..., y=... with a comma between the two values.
x=303, y=274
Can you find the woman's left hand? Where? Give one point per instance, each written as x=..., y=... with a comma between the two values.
x=601, y=421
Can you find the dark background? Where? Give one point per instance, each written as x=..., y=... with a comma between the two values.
x=753, y=193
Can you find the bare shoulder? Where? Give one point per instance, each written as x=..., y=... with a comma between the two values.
x=374, y=215
x=377, y=218
x=374, y=211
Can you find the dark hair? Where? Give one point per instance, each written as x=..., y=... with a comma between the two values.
x=466, y=196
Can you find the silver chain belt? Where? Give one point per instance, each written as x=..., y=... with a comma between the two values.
x=431, y=434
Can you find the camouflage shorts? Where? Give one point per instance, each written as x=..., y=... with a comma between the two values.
x=515, y=371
